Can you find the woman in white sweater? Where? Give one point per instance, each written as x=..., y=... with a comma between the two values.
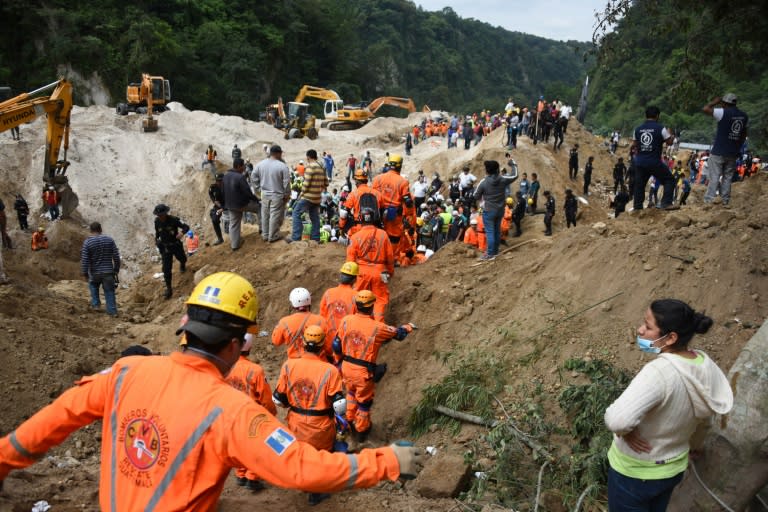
x=657, y=414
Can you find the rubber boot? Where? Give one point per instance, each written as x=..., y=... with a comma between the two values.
x=168, y=290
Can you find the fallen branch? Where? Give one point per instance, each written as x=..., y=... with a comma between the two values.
x=477, y=420
x=538, y=487
x=536, y=335
x=581, y=498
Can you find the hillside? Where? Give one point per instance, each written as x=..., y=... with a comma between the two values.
x=235, y=57
x=498, y=309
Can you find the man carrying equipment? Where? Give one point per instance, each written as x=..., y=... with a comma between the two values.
x=290, y=328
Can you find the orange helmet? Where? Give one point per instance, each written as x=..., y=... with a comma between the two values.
x=365, y=299
x=361, y=175
x=314, y=335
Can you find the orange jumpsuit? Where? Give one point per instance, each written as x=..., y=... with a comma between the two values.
x=394, y=190
x=309, y=386
x=337, y=302
x=482, y=241
x=470, y=237
x=506, y=222
x=290, y=331
x=361, y=338
x=249, y=378
x=371, y=249
x=418, y=258
x=352, y=205
x=172, y=429
x=406, y=244
x=39, y=241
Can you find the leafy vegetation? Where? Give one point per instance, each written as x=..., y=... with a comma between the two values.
x=679, y=54
x=234, y=57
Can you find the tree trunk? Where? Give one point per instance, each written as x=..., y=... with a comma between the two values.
x=734, y=464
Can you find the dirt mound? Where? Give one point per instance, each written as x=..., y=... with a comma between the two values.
x=529, y=305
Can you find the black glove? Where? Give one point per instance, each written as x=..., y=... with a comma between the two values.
x=117, y=279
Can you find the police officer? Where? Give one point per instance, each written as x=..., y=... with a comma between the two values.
x=549, y=212
x=648, y=141
x=169, y=231
x=217, y=210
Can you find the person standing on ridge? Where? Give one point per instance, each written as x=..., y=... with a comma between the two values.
x=238, y=198
x=648, y=142
x=216, y=193
x=99, y=265
x=315, y=182
x=22, y=211
x=169, y=231
x=173, y=450
x=272, y=180
x=732, y=125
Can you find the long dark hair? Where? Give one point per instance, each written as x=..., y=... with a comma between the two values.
x=676, y=316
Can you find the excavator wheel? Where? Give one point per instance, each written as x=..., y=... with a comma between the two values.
x=293, y=133
x=312, y=133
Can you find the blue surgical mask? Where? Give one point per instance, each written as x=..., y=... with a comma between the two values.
x=647, y=345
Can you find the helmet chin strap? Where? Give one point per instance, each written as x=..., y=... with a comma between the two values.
x=213, y=358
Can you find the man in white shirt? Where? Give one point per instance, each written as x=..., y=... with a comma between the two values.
x=466, y=180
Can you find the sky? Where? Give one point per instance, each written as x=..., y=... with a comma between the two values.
x=554, y=19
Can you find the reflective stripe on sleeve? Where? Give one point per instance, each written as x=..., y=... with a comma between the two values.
x=19, y=448
x=352, y=471
x=113, y=462
x=186, y=449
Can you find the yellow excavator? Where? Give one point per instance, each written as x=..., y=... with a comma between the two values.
x=351, y=117
x=296, y=120
x=150, y=95
x=27, y=107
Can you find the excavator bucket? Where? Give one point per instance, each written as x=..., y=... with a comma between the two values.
x=149, y=124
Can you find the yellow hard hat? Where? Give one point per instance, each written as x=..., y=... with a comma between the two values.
x=365, y=299
x=41, y=229
x=350, y=268
x=395, y=161
x=314, y=335
x=222, y=292
x=530, y=201
x=510, y=201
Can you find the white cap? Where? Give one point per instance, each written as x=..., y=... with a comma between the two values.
x=301, y=161
x=473, y=221
x=345, y=188
x=421, y=248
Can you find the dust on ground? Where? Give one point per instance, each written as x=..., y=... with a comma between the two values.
x=49, y=336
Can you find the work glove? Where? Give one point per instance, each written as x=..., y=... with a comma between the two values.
x=403, y=331
x=385, y=277
x=410, y=459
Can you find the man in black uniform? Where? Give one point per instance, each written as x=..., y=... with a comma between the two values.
x=519, y=212
x=22, y=210
x=619, y=171
x=217, y=210
x=169, y=231
x=549, y=212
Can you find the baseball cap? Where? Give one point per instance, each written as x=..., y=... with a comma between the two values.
x=730, y=98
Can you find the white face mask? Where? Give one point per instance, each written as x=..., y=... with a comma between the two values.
x=646, y=345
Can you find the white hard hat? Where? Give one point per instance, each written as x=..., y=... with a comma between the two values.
x=300, y=297
x=345, y=188
x=421, y=248
x=425, y=215
x=327, y=227
x=301, y=161
x=473, y=221
x=248, y=342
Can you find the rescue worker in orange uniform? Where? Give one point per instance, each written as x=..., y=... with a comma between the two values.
x=482, y=241
x=290, y=328
x=371, y=249
x=249, y=378
x=420, y=256
x=470, y=235
x=359, y=339
x=39, y=240
x=349, y=212
x=506, y=220
x=311, y=389
x=339, y=301
x=395, y=195
x=172, y=428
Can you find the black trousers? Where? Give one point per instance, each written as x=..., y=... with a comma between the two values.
x=168, y=252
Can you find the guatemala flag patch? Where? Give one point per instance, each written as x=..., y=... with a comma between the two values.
x=279, y=440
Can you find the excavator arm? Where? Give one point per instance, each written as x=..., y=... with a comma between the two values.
x=404, y=103
x=27, y=107
x=310, y=91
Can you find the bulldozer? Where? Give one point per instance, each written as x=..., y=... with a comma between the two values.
x=352, y=117
x=57, y=107
x=149, y=96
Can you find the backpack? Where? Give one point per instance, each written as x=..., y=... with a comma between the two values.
x=368, y=200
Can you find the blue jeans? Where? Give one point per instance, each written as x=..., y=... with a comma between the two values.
x=108, y=282
x=492, y=223
x=627, y=494
x=314, y=216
